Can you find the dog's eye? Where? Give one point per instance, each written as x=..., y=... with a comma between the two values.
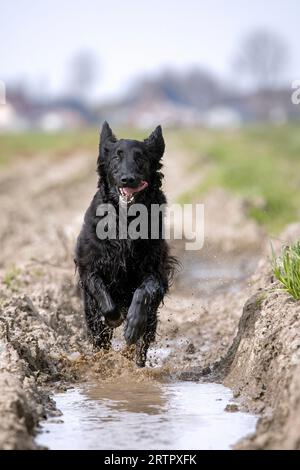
x=139, y=158
x=120, y=153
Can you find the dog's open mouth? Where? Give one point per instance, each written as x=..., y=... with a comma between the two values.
x=127, y=194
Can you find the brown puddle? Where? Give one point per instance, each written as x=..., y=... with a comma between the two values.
x=145, y=415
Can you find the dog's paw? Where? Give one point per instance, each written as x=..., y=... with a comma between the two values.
x=140, y=363
x=112, y=315
x=135, y=323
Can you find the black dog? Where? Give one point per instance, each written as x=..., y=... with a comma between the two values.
x=125, y=279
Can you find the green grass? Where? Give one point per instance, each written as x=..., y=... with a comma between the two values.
x=256, y=162
x=286, y=269
x=11, y=276
x=56, y=144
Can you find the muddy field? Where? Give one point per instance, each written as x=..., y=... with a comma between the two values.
x=224, y=320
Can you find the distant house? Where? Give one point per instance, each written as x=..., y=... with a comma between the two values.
x=145, y=114
x=57, y=119
x=23, y=112
x=2, y=93
x=65, y=113
x=222, y=117
x=10, y=120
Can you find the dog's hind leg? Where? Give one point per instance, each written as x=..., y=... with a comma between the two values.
x=148, y=337
x=99, y=332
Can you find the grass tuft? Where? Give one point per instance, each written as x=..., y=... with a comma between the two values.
x=11, y=277
x=286, y=269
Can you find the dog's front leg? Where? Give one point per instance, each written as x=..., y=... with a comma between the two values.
x=146, y=299
x=106, y=305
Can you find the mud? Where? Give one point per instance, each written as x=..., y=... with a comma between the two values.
x=43, y=342
x=263, y=367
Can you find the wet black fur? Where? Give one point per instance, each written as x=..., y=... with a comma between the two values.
x=124, y=280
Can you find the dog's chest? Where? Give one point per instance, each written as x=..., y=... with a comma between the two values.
x=126, y=258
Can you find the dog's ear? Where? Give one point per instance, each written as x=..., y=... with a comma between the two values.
x=107, y=133
x=155, y=143
x=107, y=137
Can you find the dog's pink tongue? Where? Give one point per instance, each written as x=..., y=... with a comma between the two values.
x=130, y=191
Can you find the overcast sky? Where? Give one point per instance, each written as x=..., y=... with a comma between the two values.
x=133, y=37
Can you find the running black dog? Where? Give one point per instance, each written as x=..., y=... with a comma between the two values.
x=125, y=278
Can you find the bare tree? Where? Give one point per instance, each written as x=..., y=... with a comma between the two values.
x=83, y=74
x=262, y=58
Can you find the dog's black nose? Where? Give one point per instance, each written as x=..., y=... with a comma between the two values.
x=128, y=180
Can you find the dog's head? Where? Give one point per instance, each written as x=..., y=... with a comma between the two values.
x=129, y=167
